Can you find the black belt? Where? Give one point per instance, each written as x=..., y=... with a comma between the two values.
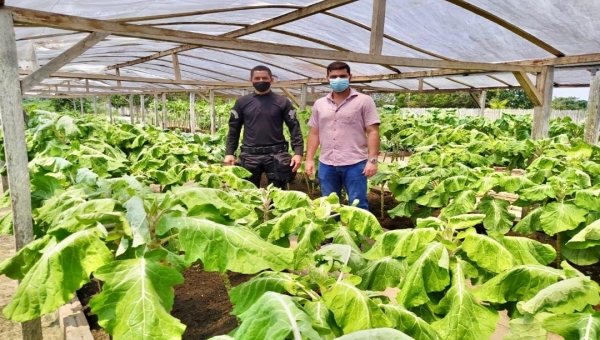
x=263, y=150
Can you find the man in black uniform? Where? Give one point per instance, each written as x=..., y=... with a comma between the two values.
x=264, y=148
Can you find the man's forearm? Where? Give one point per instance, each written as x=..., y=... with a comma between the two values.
x=373, y=142
x=311, y=145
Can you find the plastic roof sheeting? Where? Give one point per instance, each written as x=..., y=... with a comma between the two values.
x=435, y=28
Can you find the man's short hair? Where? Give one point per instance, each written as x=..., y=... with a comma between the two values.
x=338, y=65
x=260, y=68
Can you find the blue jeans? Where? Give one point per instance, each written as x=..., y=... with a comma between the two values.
x=332, y=178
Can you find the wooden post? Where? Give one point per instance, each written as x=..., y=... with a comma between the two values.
x=118, y=73
x=110, y=115
x=482, y=103
x=143, y=108
x=95, y=105
x=303, y=96
x=192, y=112
x=541, y=114
x=592, y=119
x=377, y=26
x=131, y=115
x=164, y=111
x=244, y=92
x=156, y=119
x=212, y=111
x=81, y=105
x=15, y=148
x=176, y=68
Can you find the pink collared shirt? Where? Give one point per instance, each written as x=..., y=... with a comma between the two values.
x=342, y=129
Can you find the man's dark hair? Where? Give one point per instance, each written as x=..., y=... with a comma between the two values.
x=338, y=65
x=260, y=68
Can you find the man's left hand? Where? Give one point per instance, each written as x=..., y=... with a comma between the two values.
x=370, y=170
x=296, y=162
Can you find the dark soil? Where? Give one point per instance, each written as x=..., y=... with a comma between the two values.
x=85, y=294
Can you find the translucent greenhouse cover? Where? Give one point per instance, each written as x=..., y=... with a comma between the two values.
x=429, y=29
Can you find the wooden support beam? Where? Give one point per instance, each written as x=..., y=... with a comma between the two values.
x=530, y=89
x=303, y=96
x=164, y=111
x=503, y=23
x=15, y=149
x=110, y=115
x=475, y=99
x=131, y=114
x=192, y=112
x=377, y=26
x=68, y=22
x=176, y=68
x=87, y=85
x=420, y=86
x=118, y=77
x=156, y=118
x=482, y=98
x=541, y=113
x=81, y=105
x=212, y=111
x=143, y=108
x=592, y=119
x=60, y=61
x=291, y=97
x=263, y=25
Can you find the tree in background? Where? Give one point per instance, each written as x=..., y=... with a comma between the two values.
x=569, y=103
x=440, y=100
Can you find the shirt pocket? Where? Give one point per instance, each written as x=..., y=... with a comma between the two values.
x=347, y=116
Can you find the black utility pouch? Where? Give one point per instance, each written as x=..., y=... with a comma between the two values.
x=283, y=169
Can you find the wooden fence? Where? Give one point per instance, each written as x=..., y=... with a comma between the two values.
x=577, y=115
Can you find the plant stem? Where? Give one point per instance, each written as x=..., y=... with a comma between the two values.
x=226, y=281
x=382, y=197
x=167, y=239
x=558, y=249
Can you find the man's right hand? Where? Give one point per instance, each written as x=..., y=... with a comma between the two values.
x=309, y=167
x=229, y=160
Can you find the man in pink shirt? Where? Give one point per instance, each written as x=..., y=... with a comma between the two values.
x=345, y=124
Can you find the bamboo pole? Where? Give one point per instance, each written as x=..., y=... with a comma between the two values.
x=592, y=120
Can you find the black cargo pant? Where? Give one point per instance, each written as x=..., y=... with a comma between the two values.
x=275, y=165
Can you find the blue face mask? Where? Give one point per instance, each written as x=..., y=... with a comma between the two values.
x=339, y=84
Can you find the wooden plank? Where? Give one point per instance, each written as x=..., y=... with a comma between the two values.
x=15, y=149
x=592, y=120
x=176, y=69
x=87, y=85
x=212, y=111
x=110, y=115
x=118, y=77
x=530, y=90
x=95, y=105
x=303, y=96
x=156, y=118
x=143, y=108
x=377, y=27
x=164, y=110
x=131, y=114
x=76, y=23
x=280, y=20
x=73, y=323
x=60, y=61
x=511, y=27
x=291, y=97
x=482, y=102
x=420, y=86
x=192, y=112
x=541, y=113
x=475, y=99
x=81, y=105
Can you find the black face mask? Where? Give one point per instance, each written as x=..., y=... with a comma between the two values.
x=261, y=86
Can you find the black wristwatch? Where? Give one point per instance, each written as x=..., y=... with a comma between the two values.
x=373, y=160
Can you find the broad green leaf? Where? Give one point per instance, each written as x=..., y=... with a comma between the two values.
x=580, y=150
x=322, y=318
x=410, y=242
x=68, y=126
x=6, y=224
x=465, y=221
x=488, y=253
x=352, y=308
x=403, y=209
x=577, y=177
x=526, y=328
x=221, y=247
x=514, y=184
x=226, y=203
x=86, y=176
x=275, y=316
x=497, y=217
x=412, y=191
x=528, y=251
x=66, y=264
x=361, y=221
x=581, y=257
x=341, y=253
x=531, y=223
x=19, y=264
x=136, y=299
x=376, y=334
x=385, y=244
x=428, y=272
x=429, y=222
x=343, y=235
x=485, y=184
x=235, y=182
x=434, y=199
x=538, y=193
x=588, y=198
x=452, y=184
x=561, y=216
x=464, y=318
x=461, y=204
x=381, y=274
x=563, y=297
x=587, y=237
x=136, y=216
x=409, y=323
x=286, y=200
x=520, y=283
x=288, y=222
x=309, y=239
x=246, y=294
x=580, y=326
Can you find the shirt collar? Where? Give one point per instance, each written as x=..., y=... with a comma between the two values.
x=353, y=93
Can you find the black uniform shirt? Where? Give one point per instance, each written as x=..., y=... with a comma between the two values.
x=262, y=117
